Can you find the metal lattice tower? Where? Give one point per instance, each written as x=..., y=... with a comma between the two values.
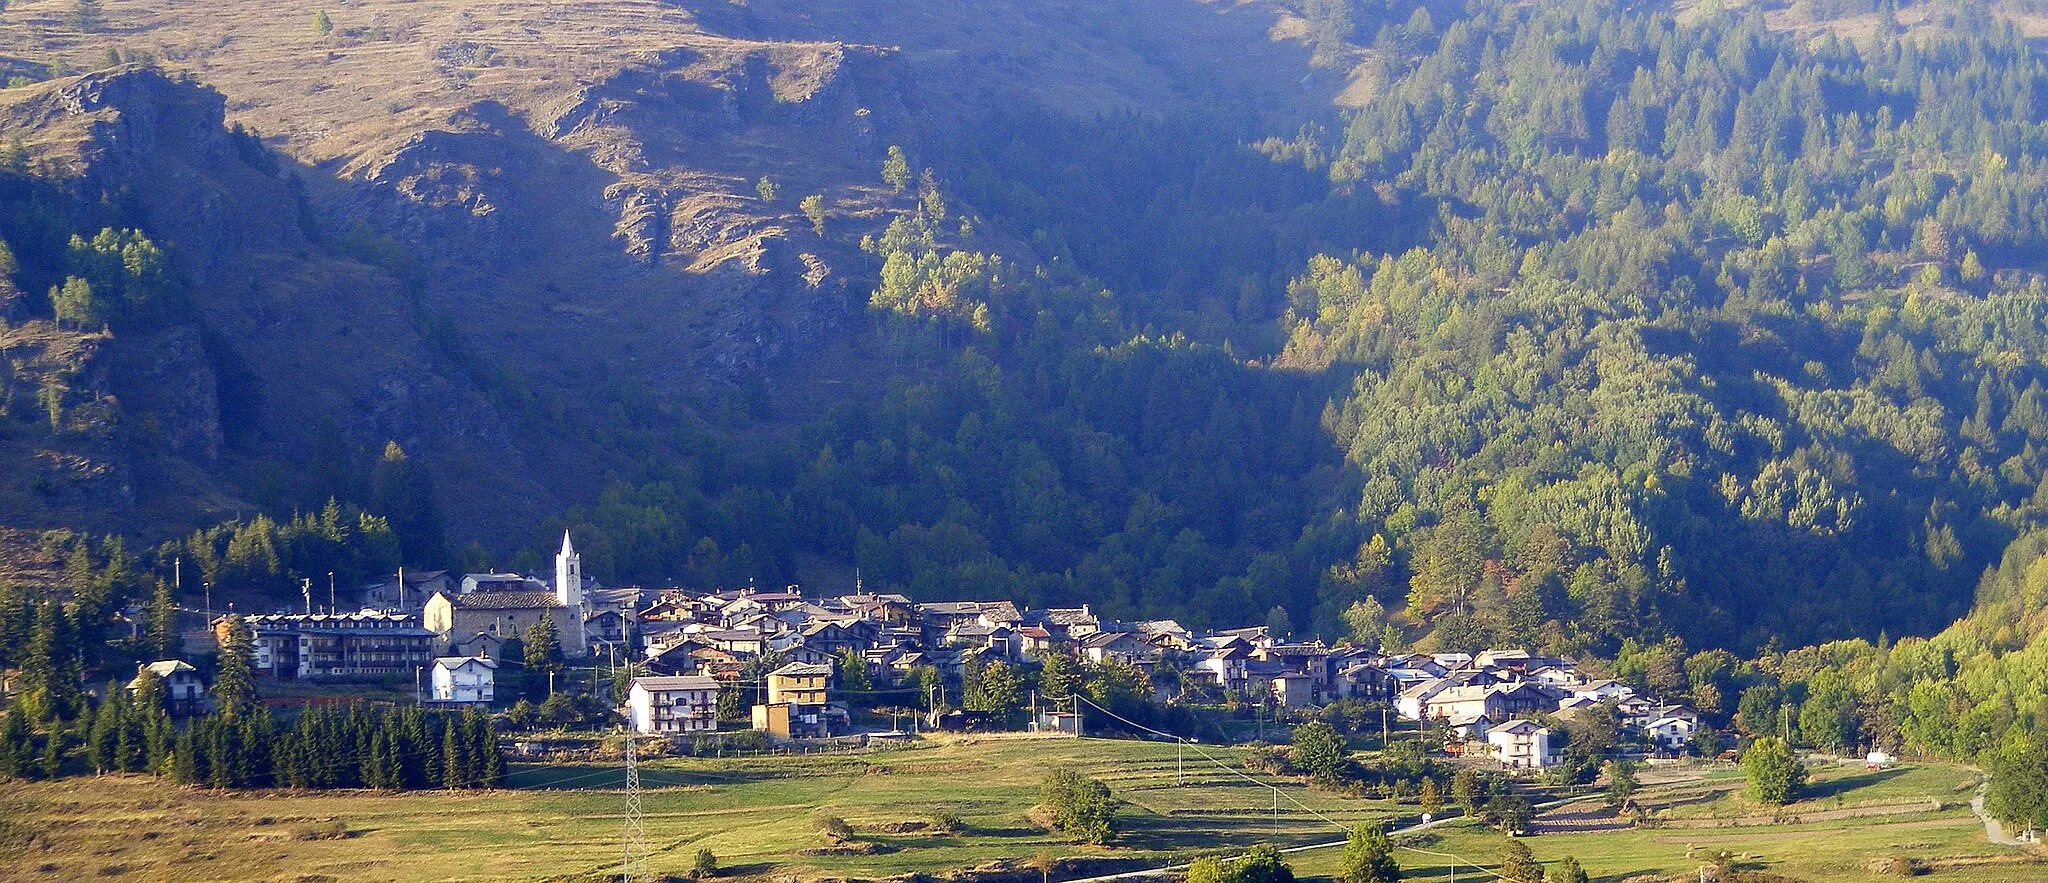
x=633, y=868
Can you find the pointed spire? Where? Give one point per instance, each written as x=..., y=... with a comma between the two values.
x=567, y=547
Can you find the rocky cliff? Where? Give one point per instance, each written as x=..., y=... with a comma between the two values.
x=472, y=228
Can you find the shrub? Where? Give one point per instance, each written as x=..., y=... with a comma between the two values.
x=835, y=827
x=1079, y=806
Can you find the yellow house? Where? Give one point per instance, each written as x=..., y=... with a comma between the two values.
x=800, y=683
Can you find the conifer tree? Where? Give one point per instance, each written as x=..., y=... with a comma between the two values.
x=1518, y=864
x=257, y=735
x=234, y=686
x=163, y=620
x=813, y=207
x=429, y=759
x=187, y=767
x=103, y=731
x=896, y=169
x=45, y=695
x=376, y=770
x=221, y=753
x=490, y=766
x=455, y=758
x=17, y=623
x=54, y=745
x=16, y=745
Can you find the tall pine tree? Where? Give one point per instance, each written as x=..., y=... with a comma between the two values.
x=234, y=686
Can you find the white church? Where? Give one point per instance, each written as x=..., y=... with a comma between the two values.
x=492, y=608
x=569, y=594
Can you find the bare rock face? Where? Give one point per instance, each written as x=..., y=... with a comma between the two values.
x=60, y=380
x=311, y=335
x=167, y=383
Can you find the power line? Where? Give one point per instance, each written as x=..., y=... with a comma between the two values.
x=1191, y=745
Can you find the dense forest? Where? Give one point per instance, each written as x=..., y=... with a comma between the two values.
x=1589, y=329
x=1621, y=328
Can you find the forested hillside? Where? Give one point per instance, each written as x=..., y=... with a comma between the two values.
x=1551, y=323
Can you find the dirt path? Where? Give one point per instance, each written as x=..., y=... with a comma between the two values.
x=1993, y=831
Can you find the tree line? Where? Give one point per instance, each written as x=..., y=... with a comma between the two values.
x=238, y=744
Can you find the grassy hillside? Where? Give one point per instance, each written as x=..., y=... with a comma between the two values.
x=760, y=817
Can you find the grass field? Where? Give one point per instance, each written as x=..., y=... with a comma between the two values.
x=560, y=821
x=1848, y=820
x=759, y=815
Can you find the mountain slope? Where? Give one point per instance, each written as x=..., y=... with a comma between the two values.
x=564, y=199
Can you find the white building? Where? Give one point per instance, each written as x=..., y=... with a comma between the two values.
x=686, y=704
x=184, y=690
x=569, y=593
x=465, y=679
x=1520, y=744
x=1672, y=734
x=1606, y=691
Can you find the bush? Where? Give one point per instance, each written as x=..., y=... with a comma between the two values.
x=1774, y=772
x=1320, y=751
x=1518, y=864
x=1261, y=864
x=1368, y=857
x=705, y=866
x=1566, y=870
x=835, y=827
x=1079, y=806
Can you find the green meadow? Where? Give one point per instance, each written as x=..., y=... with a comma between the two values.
x=955, y=805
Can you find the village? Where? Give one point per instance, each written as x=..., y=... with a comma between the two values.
x=692, y=656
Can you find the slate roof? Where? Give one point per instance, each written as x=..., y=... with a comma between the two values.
x=680, y=682
x=167, y=667
x=454, y=662
x=505, y=600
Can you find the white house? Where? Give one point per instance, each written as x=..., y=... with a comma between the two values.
x=1520, y=744
x=184, y=690
x=686, y=704
x=1671, y=734
x=1606, y=691
x=465, y=679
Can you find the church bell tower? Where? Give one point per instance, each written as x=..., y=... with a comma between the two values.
x=569, y=593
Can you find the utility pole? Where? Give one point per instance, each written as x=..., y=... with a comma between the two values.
x=331, y=607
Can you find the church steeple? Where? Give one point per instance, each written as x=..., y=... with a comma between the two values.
x=569, y=593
